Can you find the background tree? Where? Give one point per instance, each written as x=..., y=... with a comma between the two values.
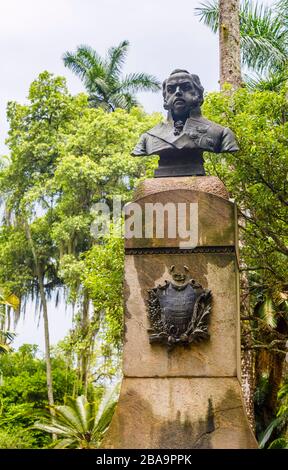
x=65, y=157
x=256, y=179
x=263, y=39
x=23, y=394
x=229, y=42
x=102, y=77
x=95, y=165
x=27, y=252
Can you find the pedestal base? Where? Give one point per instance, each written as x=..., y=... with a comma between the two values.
x=187, y=397
x=180, y=413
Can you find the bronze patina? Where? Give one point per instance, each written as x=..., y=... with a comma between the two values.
x=179, y=310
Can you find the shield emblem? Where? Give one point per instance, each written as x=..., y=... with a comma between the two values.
x=176, y=304
x=179, y=314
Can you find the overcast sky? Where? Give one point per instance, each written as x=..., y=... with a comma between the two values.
x=34, y=34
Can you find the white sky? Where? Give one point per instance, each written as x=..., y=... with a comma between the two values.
x=34, y=34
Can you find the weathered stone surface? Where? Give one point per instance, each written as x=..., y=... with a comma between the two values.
x=183, y=413
x=215, y=219
x=188, y=397
x=205, y=184
x=214, y=358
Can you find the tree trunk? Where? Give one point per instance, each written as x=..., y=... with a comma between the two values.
x=247, y=355
x=229, y=38
x=47, y=345
x=85, y=322
x=45, y=319
x=248, y=384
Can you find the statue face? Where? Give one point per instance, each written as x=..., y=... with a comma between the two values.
x=181, y=95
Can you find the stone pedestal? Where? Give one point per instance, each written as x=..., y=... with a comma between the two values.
x=184, y=397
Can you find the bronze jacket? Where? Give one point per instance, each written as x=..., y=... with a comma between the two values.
x=198, y=133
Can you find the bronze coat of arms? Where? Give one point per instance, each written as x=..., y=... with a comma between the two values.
x=179, y=311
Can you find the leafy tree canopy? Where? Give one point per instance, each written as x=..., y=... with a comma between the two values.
x=23, y=394
x=256, y=177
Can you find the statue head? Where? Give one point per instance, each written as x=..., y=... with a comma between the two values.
x=182, y=93
x=179, y=275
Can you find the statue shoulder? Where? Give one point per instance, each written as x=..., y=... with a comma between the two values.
x=143, y=148
x=227, y=138
x=229, y=143
x=140, y=148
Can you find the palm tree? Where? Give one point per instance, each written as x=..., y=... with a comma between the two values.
x=102, y=77
x=229, y=43
x=80, y=424
x=263, y=39
x=278, y=425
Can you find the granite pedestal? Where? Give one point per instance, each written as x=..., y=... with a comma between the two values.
x=184, y=397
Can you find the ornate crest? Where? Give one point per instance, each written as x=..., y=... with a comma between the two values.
x=179, y=311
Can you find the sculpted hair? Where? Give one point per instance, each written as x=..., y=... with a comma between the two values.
x=195, y=81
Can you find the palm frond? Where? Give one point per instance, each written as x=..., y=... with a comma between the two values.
x=96, y=84
x=116, y=58
x=209, y=14
x=102, y=80
x=262, y=53
x=69, y=416
x=86, y=64
x=52, y=428
x=267, y=312
x=263, y=36
x=109, y=397
x=268, y=432
x=79, y=422
x=106, y=410
x=105, y=419
x=135, y=82
x=280, y=443
x=124, y=101
x=283, y=392
x=282, y=9
x=65, y=443
x=270, y=82
x=75, y=64
x=90, y=57
x=8, y=335
x=4, y=348
x=81, y=406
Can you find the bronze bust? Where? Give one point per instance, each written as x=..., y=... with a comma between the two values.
x=182, y=139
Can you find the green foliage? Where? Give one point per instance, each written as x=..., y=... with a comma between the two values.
x=80, y=424
x=23, y=394
x=102, y=77
x=279, y=425
x=103, y=278
x=65, y=157
x=36, y=135
x=255, y=176
x=96, y=165
x=16, y=438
